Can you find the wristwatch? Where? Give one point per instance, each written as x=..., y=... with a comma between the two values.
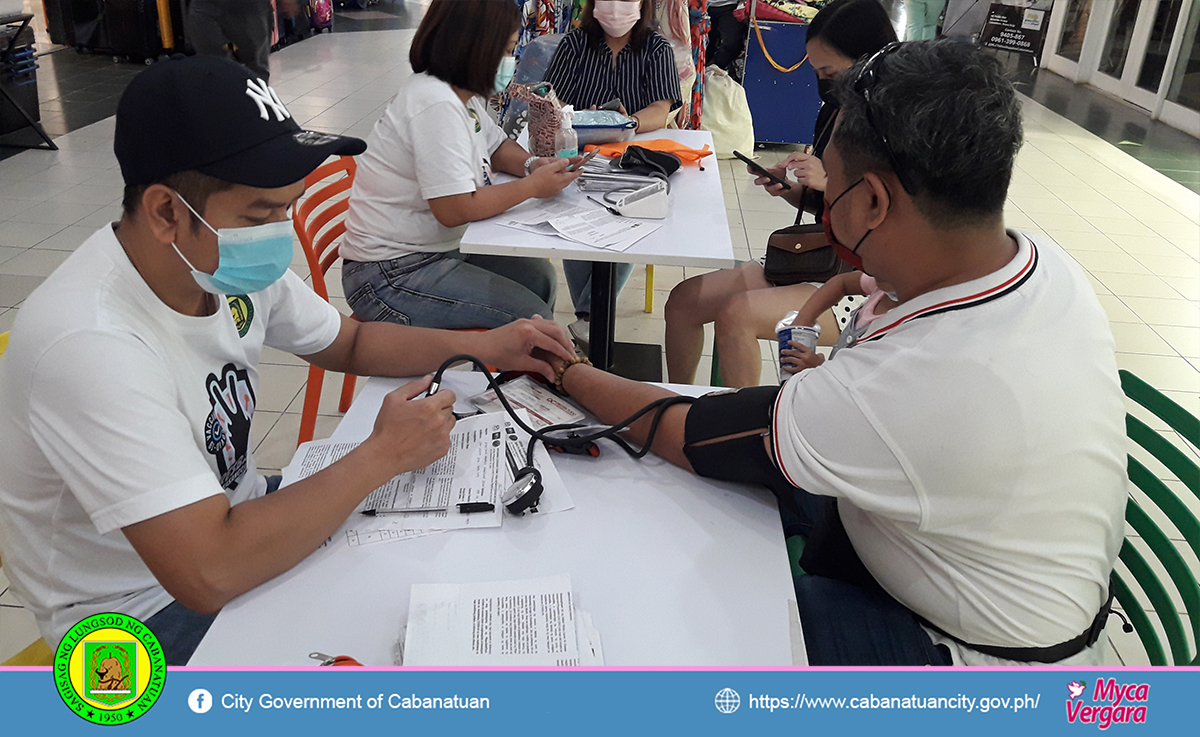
x=529, y=163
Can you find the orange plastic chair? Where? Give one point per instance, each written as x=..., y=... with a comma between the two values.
x=319, y=223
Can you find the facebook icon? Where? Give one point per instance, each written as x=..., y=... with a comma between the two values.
x=200, y=700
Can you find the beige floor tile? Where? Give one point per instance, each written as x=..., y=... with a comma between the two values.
x=68, y=239
x=1162, y=372
x=1180, y=312
x=277, y=449
x=1046, y=205
x=1140, y=338
x=1170, y=266
x=1119, y=262
x=1116, y=310
x=278, y=386
x=1120, y=226
x=331, y=395
x=1056, y=222
x=7, y=317
x=1149, y=245
x=14, y=289
x=1136, y=285
x=1184, y=340
x=260, y=425
x=34, y=262
x=1076, y=241
x=24, y=235
x=1187, y=288
x=56, y=213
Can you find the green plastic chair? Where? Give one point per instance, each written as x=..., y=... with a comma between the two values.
x=1164, y=549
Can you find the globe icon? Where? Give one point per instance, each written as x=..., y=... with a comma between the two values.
x=728, y=701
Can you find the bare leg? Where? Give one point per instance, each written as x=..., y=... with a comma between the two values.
x=695, y=302
x=750, y=317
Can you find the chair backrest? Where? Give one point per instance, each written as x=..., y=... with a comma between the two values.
x=320, y=220
x=3, y=342
x=1154, y=498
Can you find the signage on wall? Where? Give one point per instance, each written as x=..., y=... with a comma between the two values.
x=1013, y=28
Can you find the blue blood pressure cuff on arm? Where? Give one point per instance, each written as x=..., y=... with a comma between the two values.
x=725, y=434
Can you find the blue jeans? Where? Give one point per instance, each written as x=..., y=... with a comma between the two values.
x=179, y=629
x=849, y=623
x=450, y=290
x=579, y=282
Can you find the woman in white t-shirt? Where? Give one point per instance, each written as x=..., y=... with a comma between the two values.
x=428, y=171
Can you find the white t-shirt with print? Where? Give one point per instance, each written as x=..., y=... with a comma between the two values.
x=426, y=145
x=118, y=409
x=974, y=437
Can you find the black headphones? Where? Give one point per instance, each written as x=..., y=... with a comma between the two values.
x=574, y=438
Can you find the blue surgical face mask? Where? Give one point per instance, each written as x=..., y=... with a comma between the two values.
x=251, y=259
x=504, y=75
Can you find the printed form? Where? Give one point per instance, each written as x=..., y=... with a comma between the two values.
x=485, y=453
x=529, y=622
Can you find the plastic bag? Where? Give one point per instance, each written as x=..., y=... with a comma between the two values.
x=535, y=60
x=727, y=114
x=544, y=116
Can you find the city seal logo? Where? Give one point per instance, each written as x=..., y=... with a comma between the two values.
x=109, y=669
x=242, y=310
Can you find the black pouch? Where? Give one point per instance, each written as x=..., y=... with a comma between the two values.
x=647, y=162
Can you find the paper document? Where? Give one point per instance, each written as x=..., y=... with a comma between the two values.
x=485, y=453
x=591, y=225
x=544, y=407
x=530, y=622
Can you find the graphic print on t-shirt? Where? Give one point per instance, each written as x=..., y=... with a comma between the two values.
x=242, y=310
x=227, y=429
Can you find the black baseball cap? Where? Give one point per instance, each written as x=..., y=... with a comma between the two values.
x=211, y=115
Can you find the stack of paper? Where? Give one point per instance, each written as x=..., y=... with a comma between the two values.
x=591, y=226
x=532, y=622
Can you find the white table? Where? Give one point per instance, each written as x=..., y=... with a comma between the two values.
x=675, y=570
x=695, y=233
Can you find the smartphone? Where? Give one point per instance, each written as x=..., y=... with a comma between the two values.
x=586, y=158
x=613, y=104
x=757, y=169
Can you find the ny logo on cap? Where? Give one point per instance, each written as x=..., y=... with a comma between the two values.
x=265, y=97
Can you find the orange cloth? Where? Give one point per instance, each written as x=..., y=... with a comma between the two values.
x=686, y=154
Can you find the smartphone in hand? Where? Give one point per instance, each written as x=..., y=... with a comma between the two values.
x=586, y=158
x=760, y=171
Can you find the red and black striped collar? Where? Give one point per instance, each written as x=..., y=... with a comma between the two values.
x=961, y=296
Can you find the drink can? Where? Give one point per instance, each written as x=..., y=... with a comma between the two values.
x=805, y=335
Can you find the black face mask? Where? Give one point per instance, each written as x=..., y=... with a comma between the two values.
x=825, y=90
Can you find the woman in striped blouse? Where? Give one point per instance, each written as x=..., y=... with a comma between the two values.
x=613, y=55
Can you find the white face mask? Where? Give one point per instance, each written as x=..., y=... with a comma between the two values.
x=617, y=17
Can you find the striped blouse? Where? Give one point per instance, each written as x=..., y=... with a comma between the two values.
x=583, y=75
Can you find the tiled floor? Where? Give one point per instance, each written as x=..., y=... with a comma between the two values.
x=1135, y=231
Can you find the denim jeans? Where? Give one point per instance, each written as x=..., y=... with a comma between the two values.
x=579, y=282
x=179, y=629
x=450, y=290
x=844, y=622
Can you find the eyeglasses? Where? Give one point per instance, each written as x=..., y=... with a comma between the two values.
x=868, y=75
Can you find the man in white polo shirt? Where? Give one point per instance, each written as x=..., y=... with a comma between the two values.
x=960, y=466
x=127, y=481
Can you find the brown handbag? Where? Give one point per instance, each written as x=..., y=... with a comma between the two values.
x=801, y=253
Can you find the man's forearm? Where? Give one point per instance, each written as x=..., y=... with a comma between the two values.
x=386, y=349
x=612, y=399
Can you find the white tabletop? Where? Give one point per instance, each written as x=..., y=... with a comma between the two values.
x=694, y=233
x=675, y=570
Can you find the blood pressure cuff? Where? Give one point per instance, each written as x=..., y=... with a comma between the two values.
x=724, y=438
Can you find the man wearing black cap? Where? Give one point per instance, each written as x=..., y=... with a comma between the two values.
x=126, y=478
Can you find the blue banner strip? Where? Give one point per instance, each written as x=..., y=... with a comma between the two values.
x=970, y=702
